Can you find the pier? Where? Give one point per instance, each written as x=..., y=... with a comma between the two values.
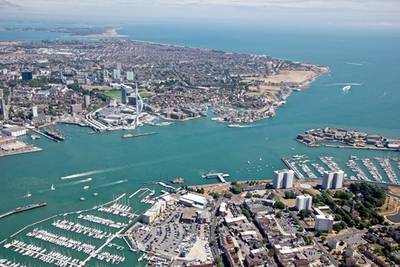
x=22, y=209
x=218, y=175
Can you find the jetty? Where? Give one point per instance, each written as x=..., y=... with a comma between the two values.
x=22, y=209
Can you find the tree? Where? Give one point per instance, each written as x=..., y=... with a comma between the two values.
x=227, y=194
x=279, y=205
x=304, y=213
x=236, y=189
x=248, y=195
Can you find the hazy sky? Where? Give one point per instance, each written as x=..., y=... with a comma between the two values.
x=352, y=13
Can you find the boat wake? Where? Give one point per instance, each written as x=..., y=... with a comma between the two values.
x=242, y=125
x=83, y=174
x=343, y=84
x=113, y=183
x=354, y=63
x=81, y=181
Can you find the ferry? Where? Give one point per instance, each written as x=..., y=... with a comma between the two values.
x=138, y=135
x=236, y=126
x=346, y=89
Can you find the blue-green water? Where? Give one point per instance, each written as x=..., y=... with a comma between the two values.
x=191, y=148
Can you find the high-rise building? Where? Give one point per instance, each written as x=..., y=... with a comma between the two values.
x=117, y=74
x=323, y=223
x=283, y=179
x=34, y=112
x=125, y=90
x=129, y=75
x=3, y=109
x=26, y=75
x=332, y=180
x=86, y=101
x=303, y=202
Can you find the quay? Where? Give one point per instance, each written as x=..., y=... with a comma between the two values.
x=22, y=209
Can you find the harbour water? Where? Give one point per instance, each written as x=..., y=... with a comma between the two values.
x=367, y=60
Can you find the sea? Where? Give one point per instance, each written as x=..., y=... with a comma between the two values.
x=369, y=60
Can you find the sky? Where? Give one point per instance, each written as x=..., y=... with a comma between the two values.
x=340, y=13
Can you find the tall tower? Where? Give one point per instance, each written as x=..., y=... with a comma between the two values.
x=137, y=106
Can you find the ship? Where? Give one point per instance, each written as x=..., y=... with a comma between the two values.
x=236, y=126
x=55, y=135
x=346, y=89
x=138, y=135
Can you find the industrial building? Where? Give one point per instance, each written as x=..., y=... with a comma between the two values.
x=14, y=131
x=193, y=200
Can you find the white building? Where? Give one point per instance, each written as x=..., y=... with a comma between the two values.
x=193, y=200
x=86, y=101
x=303, y=202
x=283, y=179
x=222, y=209
x=332, y=180
x=14, y=131
x=129, y=75
x=323, y=223
x=34, y=111
x=117, y=74
x=151, y=214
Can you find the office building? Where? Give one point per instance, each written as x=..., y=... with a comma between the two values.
x=117, y=74
x=125, y=91
x=3, y=109
x=283, y=179
x=26, y=75
x=129, y=75
x=323, y=223
x=303, y=202
x=332, y=180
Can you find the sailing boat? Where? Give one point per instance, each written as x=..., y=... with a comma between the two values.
x=52, y=188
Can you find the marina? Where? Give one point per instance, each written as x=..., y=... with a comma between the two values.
x=77, y=238
x=376, y=169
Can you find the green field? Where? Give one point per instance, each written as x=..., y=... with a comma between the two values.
x=116, y=94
